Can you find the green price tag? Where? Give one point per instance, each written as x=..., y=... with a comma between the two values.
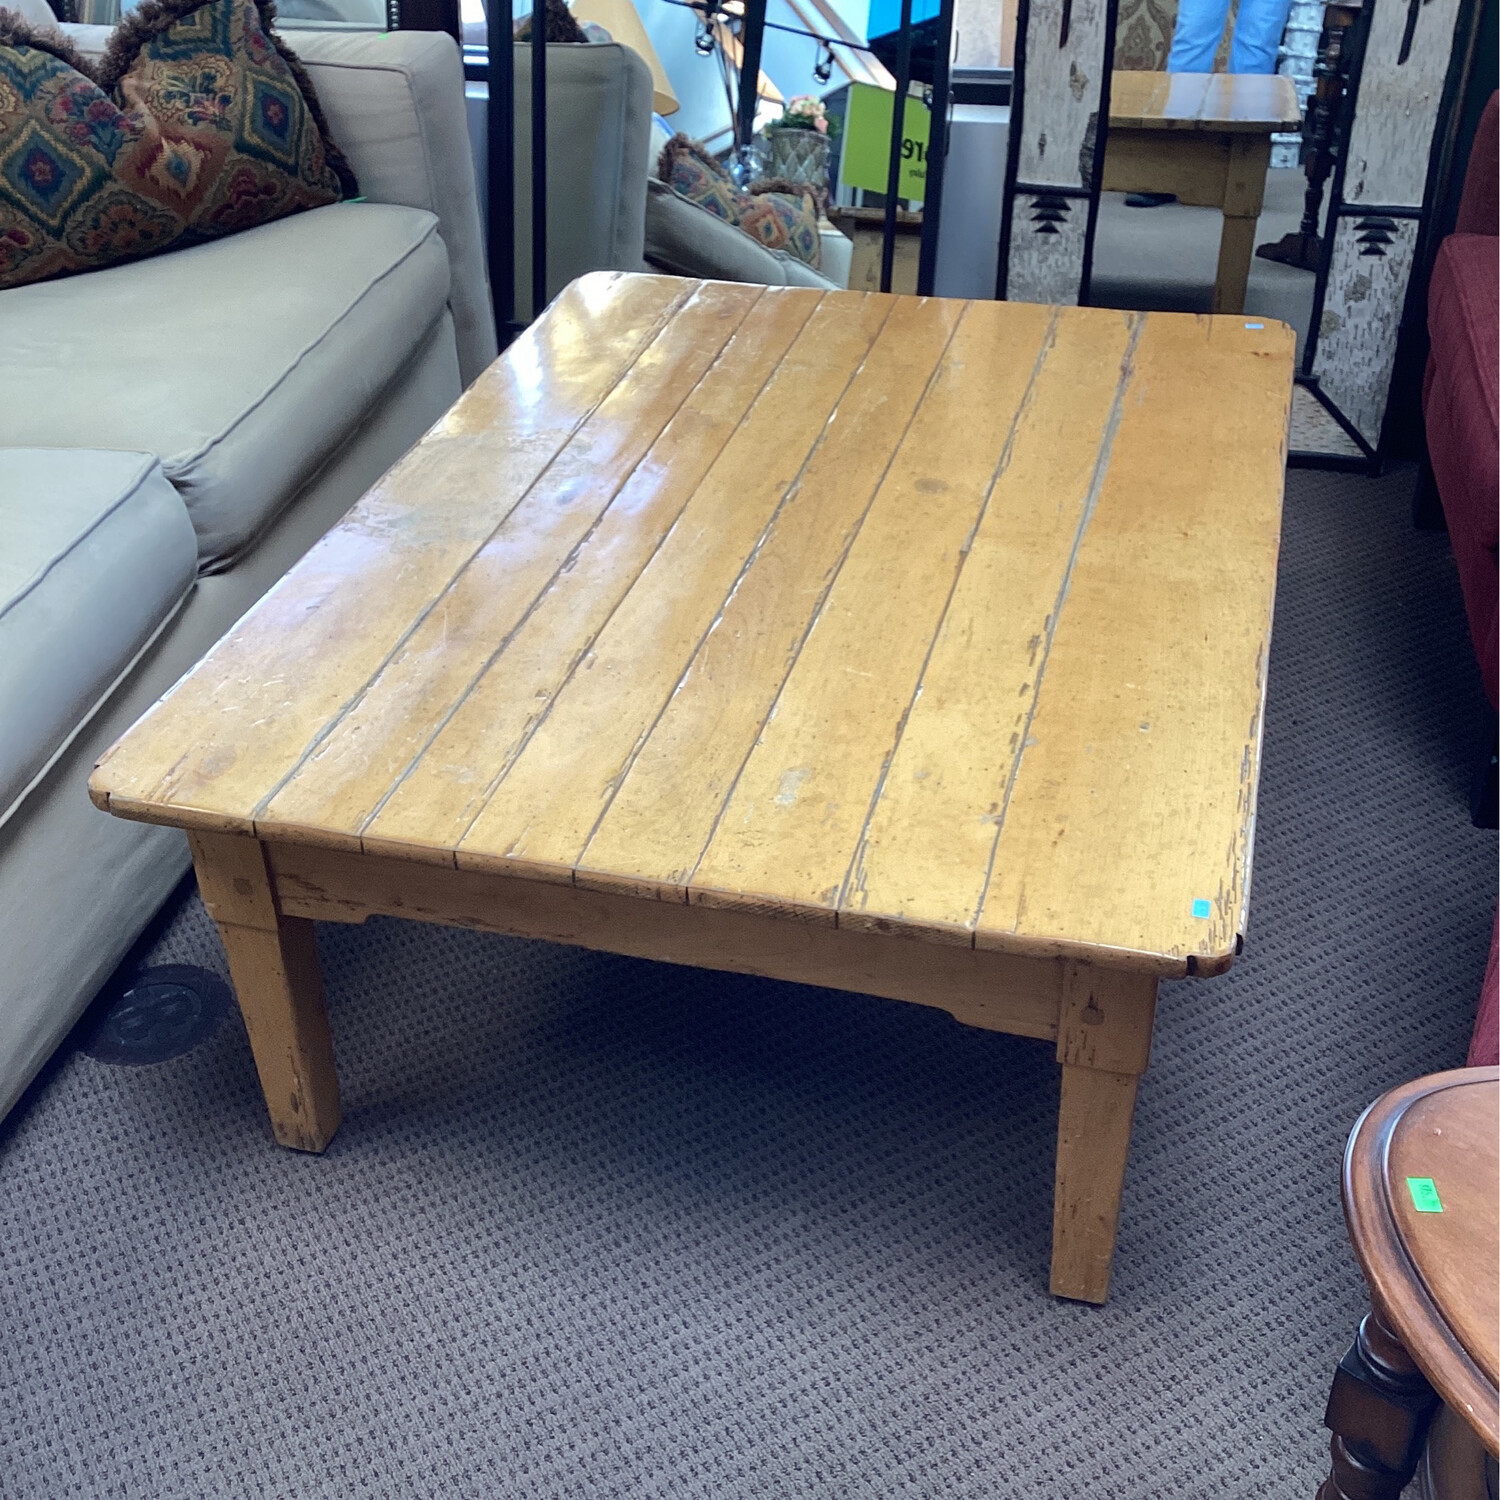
x=867, y=141
x=1424, y=1195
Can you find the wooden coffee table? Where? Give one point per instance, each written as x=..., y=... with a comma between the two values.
x=905, y=646
x=1207, y=138
x=1423, y=1210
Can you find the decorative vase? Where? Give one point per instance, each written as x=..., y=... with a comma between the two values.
x=800, y=156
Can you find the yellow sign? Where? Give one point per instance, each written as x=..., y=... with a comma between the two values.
x=867, y=141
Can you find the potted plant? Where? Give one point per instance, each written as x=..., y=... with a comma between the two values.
x=795, y=147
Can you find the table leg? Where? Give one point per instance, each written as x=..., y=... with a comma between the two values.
x=1244, y=192
x=1103, y=1044
x=273, y=961
x=1378, y=1412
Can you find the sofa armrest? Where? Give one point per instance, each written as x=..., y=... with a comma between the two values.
x=395, y=106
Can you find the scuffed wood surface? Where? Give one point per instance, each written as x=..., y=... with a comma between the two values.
x=861, y=611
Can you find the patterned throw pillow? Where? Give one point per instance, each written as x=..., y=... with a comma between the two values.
x=196, y=123
x=779, y=221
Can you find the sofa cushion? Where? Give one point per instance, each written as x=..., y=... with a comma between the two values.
x=96, y=553
x=242, y=364
x=776, y=220
x=689, y=241
x=196, y=123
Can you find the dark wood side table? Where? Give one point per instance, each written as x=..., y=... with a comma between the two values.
x=1324, y=130
x=1420, y=1200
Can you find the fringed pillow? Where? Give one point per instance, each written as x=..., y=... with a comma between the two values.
x=778, y=220
x=196, y=123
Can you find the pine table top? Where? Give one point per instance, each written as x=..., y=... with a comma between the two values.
x=1222, y=102
x=938, y=617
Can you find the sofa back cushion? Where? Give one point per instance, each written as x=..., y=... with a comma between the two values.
x=774, y=220
x=196, y=123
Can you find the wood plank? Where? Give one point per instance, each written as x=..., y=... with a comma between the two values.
x=545, y=797
x=925, y=853
x=361, y=589
x=788, y=832
x=664, y=813
x=338, y=786
x=1135, y=795
x=442, y=795
x=993, y=991
x=1224, y=103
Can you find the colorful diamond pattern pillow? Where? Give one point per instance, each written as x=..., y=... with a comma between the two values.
x=196, y=123
x=779, y=221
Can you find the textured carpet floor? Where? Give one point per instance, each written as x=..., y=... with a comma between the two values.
x=594, y=1227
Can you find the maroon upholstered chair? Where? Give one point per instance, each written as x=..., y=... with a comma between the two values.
x=1459, y=396
x=1484, y=1048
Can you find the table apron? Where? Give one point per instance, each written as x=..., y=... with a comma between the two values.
x=994, y=991
x=1192, y=164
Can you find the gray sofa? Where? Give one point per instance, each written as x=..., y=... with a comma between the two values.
x=174, y=434
x=605, y=207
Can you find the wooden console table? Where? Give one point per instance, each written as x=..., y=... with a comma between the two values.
x=1207, y=138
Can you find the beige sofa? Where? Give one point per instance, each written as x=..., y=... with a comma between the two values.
x=174, y=434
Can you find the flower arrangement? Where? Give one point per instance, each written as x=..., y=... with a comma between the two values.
x=806, y=112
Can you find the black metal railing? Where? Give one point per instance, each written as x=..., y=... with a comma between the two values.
x=495, y=66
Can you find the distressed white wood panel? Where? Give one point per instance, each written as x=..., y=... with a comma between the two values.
x=1315, y=431
x=1062, y=89
x=1397, y=106
x=1362, y=316
x=1047, y=235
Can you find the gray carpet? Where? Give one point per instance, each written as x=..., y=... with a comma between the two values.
x=1165, y=258
x=598, y=1228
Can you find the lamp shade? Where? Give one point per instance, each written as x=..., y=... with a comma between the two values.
x=622, y=21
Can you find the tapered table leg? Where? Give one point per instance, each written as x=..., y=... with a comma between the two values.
x=1103, y=1044
x=273, y=961
x=1244, y=194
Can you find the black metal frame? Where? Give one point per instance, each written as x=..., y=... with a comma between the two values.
x=1439, y=166
x=496, y=69
x=499, y=73
x=941, y=104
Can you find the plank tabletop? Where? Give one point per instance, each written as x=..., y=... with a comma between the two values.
x=908, y=614
x=1229, y=103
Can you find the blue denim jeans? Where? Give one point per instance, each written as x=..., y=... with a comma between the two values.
x=1200, y=23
